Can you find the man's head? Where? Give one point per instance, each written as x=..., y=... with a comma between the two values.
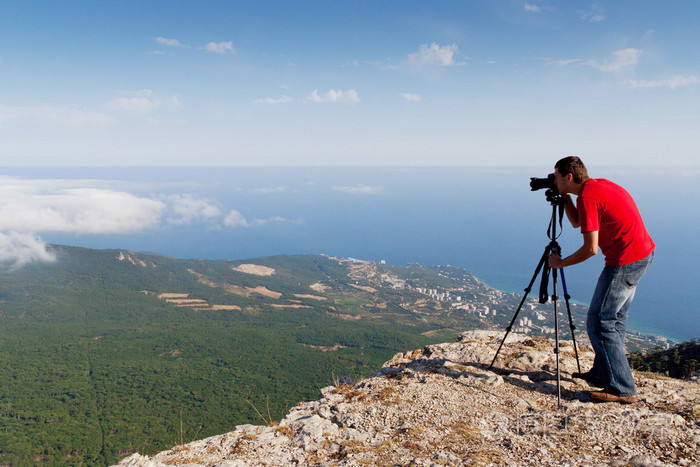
x=570, y=174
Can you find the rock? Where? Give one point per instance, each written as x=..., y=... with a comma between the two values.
x=442, y=405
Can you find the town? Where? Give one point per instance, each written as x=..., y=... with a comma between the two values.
x=463, y=293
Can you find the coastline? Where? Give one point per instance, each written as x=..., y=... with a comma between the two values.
x=643, y=330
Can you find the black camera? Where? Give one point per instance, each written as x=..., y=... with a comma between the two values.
x=540, y=183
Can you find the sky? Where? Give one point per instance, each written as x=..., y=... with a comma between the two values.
x=349, y=83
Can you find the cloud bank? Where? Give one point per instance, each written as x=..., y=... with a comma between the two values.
x=41, y=207
x=29, y=208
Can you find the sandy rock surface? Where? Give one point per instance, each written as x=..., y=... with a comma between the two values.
x=442, y=405
x=254, y=269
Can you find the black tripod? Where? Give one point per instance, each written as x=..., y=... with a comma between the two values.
x=556, y=200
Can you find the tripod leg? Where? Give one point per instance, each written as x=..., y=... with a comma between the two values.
x=567, y=297
x=555, y=299
x=544, y=257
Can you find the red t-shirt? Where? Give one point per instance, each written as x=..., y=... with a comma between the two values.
x=609, y=209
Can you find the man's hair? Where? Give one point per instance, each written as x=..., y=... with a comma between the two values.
x=573, y=165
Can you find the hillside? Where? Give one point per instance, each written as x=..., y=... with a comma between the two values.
x=680, y=361
x=108, y=352
x=442, y=406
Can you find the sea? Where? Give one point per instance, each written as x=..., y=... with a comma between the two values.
x=485, y=220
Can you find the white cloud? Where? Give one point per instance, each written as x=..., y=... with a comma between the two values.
x=434, y=55
x=37, y=206
x=568, y=61
x=272, y=100
x=136, y=105
x=18, y=249
x=621, y=59
x=69, y=118
x=411, y=97
x=185, y=209
x=137, y=102
x=594, y=15
x=334, y=96
x=532, y=8
x=677, y=81
x=170, y=42
x=220, y=47
x=140, y=102
x=271, y=189
x=31, y=207
x=235, y=219
x=360, y=189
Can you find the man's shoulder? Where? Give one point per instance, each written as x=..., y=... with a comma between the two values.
x=594, y=187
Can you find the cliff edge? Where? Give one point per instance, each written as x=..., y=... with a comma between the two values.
x=442, y=406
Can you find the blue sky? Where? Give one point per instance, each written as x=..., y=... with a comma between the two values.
x=388, y=83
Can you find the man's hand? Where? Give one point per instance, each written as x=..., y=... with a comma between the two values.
x=555, y=261
x=589, y=248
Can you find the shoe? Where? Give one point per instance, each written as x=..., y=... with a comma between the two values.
x=589, y=378
x=602, y=396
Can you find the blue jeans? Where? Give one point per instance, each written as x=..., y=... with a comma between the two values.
x=606, y=324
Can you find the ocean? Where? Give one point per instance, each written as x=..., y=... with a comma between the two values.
x=486, y=220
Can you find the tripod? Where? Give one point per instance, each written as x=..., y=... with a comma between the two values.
x=553, y=247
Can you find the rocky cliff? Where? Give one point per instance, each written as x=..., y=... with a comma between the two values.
x=442, y=406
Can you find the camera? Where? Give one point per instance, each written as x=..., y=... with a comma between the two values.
x=552, y=193
x=540, y=183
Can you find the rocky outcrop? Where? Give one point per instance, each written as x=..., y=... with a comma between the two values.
x=442, y=406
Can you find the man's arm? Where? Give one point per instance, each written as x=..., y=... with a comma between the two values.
x=572, y=212
x=589, y=249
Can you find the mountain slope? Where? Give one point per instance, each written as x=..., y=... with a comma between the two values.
x=97, y=362
x=442, y=406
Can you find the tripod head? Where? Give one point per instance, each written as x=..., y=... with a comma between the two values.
x=554, y=197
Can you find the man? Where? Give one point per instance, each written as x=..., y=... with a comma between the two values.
x=609, y=220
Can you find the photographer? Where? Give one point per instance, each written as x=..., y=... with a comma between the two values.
x=609, y=219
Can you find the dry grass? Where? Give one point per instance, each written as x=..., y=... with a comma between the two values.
x=285, y=430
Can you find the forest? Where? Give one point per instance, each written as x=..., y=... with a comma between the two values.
x=680, y=361
x=95, y=365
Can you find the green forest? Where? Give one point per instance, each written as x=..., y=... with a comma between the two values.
x=680, y=361
x=96, y=366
